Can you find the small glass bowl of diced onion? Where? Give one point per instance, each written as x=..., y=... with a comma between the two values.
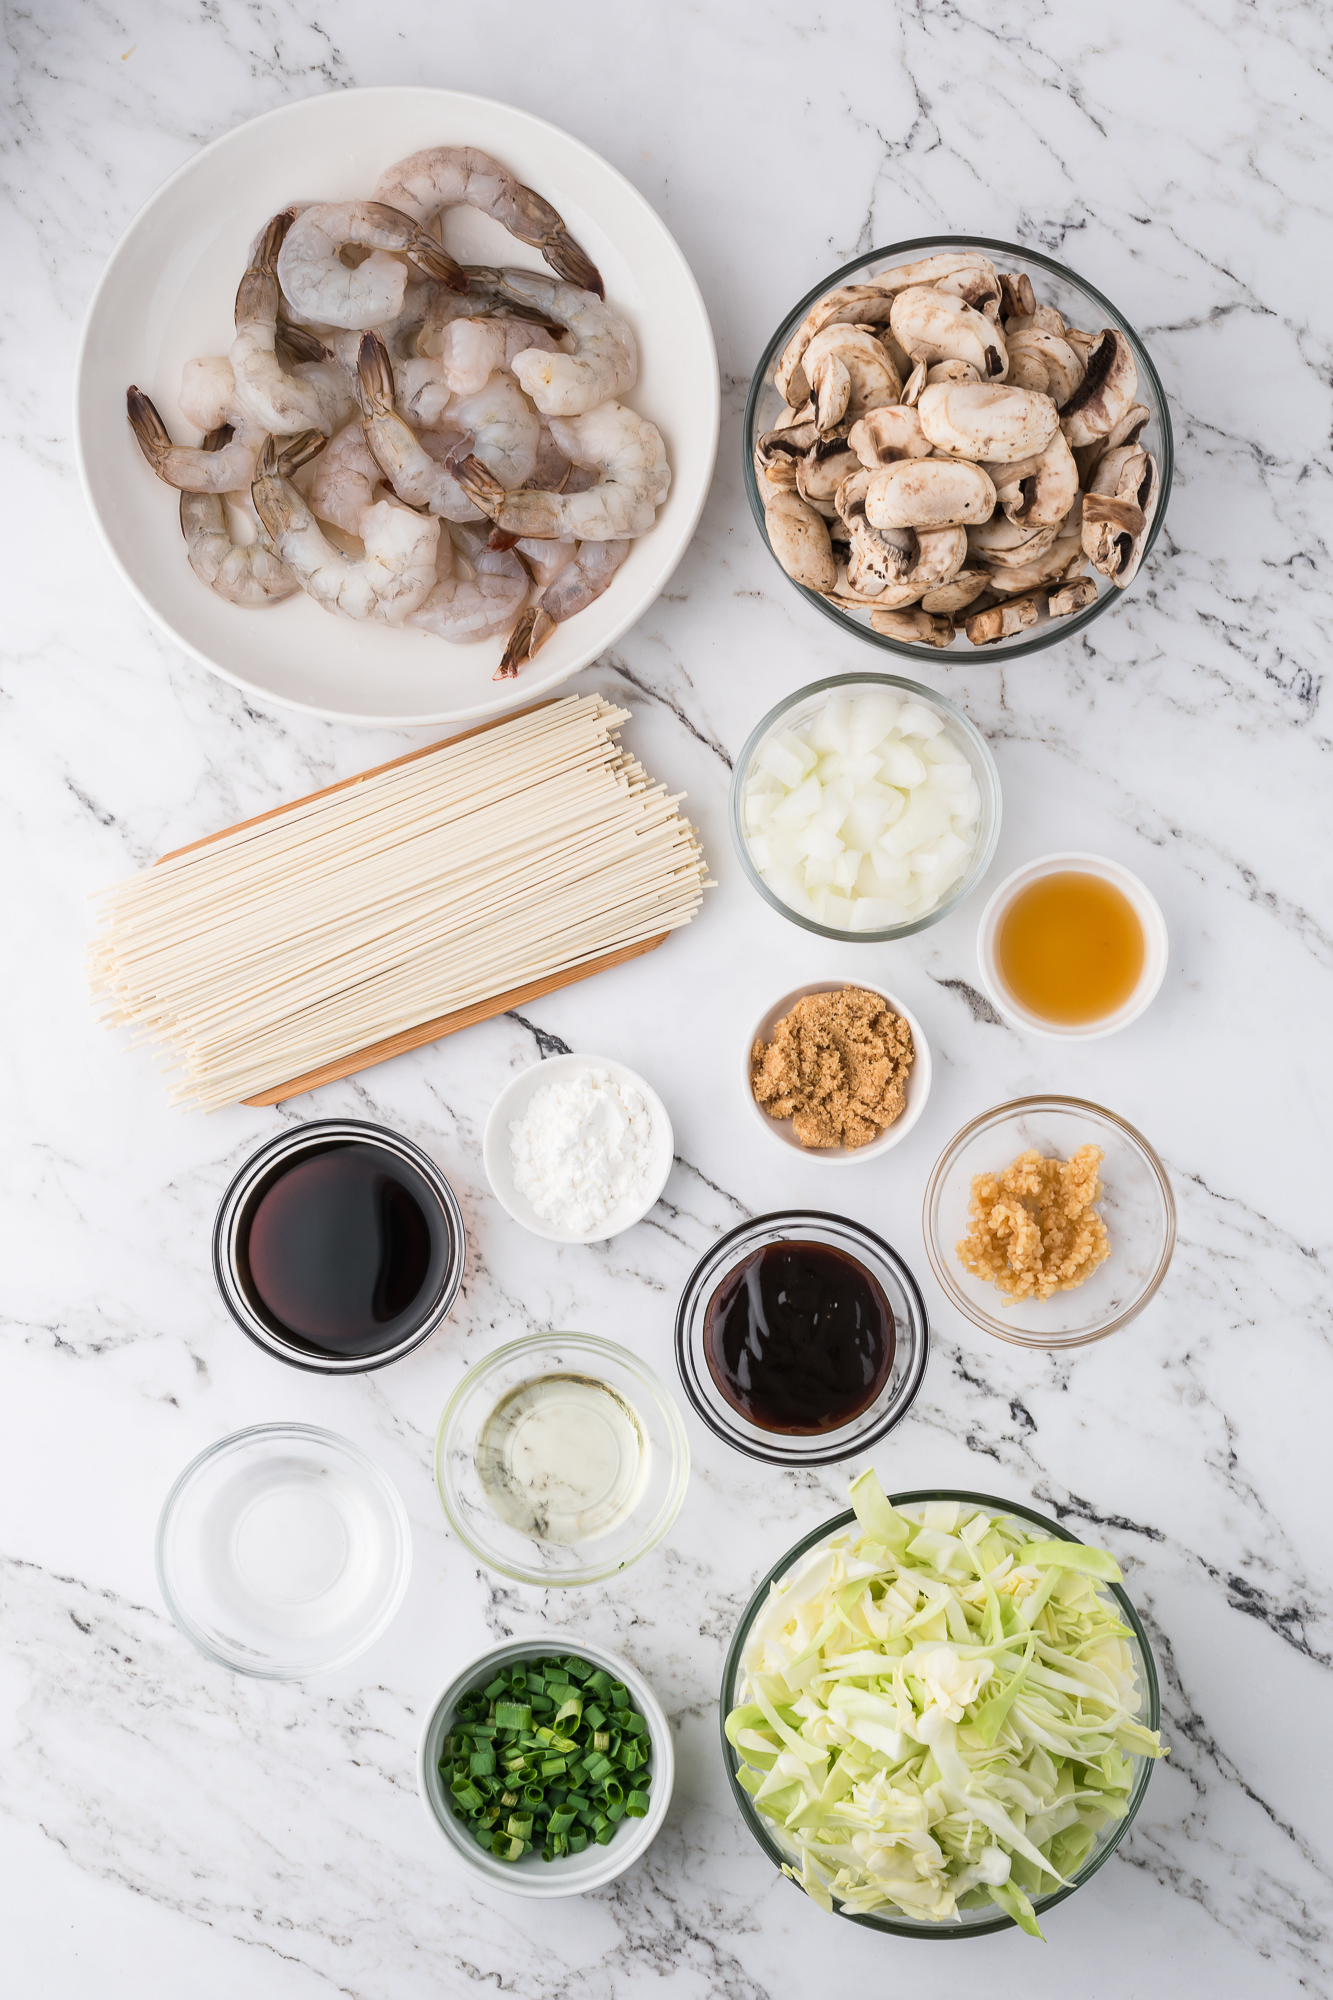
x=865, y=807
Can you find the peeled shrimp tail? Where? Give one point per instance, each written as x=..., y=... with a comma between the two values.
x=186, y=467
x=297, y=343
x=578, y=584
x=452, y=176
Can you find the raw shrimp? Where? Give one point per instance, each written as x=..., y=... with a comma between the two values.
x=345, y=480
x=453, y=176
x=504, y=434
x=332, y=391
x=322, y=289
x=208, y=392
x=466, y=608
x=575, y=587
x=546, y=559
x=189, y=467
x=264, y=392
x=483, y=299
x=250, y=576
x=472, y=350
x=635, y=476
x=605, y=361
x=394, y=576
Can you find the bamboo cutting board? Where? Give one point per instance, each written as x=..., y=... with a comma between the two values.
x=442, y=1024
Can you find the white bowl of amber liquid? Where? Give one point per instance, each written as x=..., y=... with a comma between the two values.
x=1072, y=947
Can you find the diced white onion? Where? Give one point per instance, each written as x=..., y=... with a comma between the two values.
x=866, y=815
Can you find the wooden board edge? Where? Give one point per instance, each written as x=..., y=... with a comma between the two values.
x=449, y=1024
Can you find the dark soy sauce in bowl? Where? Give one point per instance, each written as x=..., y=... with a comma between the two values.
x=798, y=1338
x=342, y=1250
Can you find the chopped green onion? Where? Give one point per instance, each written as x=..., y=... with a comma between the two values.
x=552, y=1753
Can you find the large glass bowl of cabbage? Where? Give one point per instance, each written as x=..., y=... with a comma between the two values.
x=940, y=1713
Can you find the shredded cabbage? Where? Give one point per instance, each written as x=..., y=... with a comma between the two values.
x=938, y=1713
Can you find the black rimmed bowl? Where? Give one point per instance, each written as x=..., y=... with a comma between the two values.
x=911, y=1345
x=971, y=1923
x=1082, y=305
x=400, y=1331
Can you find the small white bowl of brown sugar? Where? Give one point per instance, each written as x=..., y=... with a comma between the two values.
x=837, y=1071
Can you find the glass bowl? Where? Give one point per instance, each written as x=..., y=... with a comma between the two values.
x=231, y=1266
x=971, y=1923
x=640, y=1432
x=796, y=709
x=1081, y=305
x=1136, y=1204
x=911, y=1347
x=283, y=1551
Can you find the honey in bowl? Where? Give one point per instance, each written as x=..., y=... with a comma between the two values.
x=1069, y=948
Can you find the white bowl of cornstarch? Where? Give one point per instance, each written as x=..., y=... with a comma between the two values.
x=578, y=1148
x=167, y=295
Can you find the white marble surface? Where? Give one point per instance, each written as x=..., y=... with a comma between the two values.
x=167, y=1827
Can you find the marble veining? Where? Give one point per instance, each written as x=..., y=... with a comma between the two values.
x=167, y=1826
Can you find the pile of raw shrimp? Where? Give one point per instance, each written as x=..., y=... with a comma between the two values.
x=415, y=441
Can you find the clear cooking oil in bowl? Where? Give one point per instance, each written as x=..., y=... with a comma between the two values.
x=564, y=1458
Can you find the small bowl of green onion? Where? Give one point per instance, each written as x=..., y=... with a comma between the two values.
x=547, y=1765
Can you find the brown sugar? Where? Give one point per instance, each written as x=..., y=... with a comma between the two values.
x=837, y=1066
x=1034, y=1227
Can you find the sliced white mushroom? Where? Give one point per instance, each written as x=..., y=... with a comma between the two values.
x=1044, y=319
x=1061, y=561
x=821, y=473
x=885, y=435
x=863, y=304
x=914, y=626
x=1128, y=431
x=915, y=382
x=1071, y=597
x=1118, y=511
x=1105, y=393
x=987, y=420
x=955, y=595
x=1044, y=361
x=951, y=371
x=845, y=594
x=1003, y=620
x=799, y=538
x=1038, y=492
x=1002, y=544
x=849, y=372
x=778, y=453
x=936, y=326
x=929, y=493
x=1017, y=297
x=966, y=274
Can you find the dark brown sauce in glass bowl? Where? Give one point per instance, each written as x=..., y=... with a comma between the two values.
x=342, y=1251
x=798, y=1338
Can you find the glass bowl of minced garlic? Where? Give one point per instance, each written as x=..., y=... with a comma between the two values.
x=1049, y=1221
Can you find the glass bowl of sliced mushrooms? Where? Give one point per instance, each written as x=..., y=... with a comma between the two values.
x=958, y=442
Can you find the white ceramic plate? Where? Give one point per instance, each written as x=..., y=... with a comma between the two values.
x=167, y=295
x=513, y=1102
x=918, y=1080
x=574, y=1874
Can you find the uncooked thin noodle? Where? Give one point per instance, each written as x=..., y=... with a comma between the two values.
x=520, y=853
